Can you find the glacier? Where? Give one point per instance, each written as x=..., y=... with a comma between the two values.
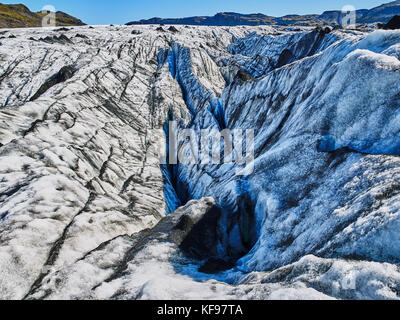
x=87, y=211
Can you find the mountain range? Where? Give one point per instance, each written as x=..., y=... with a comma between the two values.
x=310, y=210
x=382, y=13
x=19, y=16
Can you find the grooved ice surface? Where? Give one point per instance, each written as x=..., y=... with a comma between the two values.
x=83, y=198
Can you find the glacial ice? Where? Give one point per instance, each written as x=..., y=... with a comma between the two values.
x=83, y=198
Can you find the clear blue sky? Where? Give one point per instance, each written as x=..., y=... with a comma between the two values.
x=122, y=11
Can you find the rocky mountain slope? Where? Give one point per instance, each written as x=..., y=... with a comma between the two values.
x=19, y=16
x=381, y=13
x=88, y=212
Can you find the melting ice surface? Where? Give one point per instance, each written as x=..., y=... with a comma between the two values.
x=85, y=197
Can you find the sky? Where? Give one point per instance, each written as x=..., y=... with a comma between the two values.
x=122, y=11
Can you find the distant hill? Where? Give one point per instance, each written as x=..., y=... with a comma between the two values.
x=234, y=19
x=19, y=16
x=382, y=13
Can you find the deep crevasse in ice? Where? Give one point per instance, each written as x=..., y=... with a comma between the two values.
x=305, y=115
